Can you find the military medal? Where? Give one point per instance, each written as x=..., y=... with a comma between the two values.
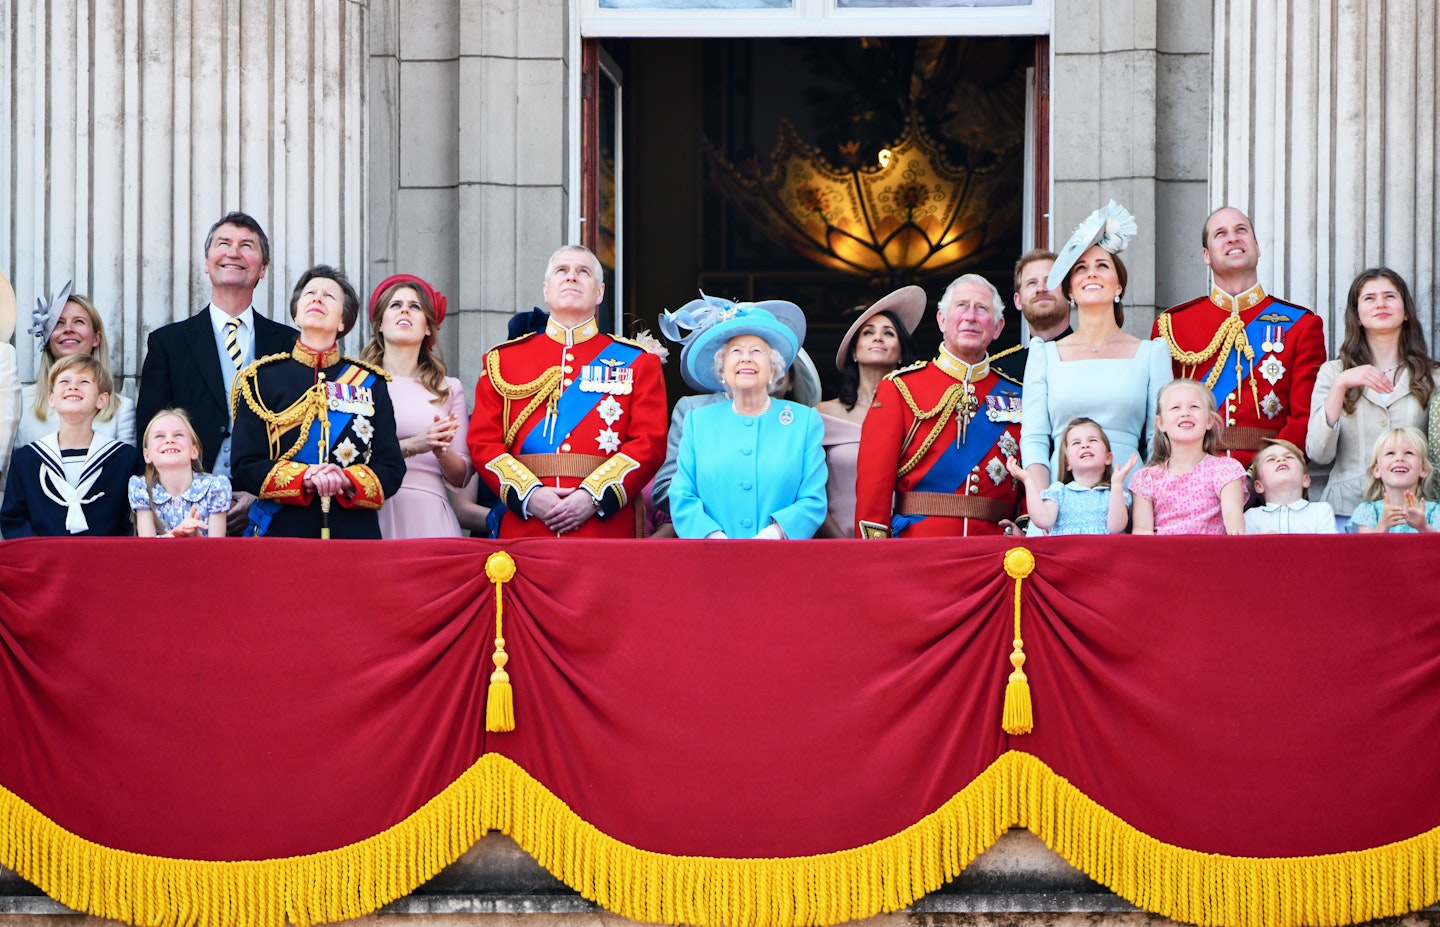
x=1271, y=405
x=608, y=376
x=1003, y=407
x=346, y=397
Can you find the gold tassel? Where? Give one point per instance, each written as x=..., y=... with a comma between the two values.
x=1018, y=717
x=500, y=701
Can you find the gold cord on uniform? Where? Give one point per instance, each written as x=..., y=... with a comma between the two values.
x=1230, y=336
x=543, y=389
x=957, y=395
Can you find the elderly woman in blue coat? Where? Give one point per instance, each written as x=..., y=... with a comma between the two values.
x=751, y=467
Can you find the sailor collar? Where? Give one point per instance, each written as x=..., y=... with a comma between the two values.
x=571, y=336
x=955, y=367
x=313, y=358
x=1240, y=302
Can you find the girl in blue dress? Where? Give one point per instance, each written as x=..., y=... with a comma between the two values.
x=176, y=498
x=1395, y=493
x=1089, y=497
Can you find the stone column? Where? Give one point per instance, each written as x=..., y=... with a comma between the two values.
x=127, y=127
x=1130, y=111
x=1324, y=128
x=514, y=156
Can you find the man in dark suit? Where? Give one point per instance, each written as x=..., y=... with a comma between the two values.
x=192, y=363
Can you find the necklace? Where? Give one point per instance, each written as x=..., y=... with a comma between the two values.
x=1095, y=348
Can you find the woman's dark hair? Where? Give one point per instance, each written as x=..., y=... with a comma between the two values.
x=1120, y=272
x=1414, y=353
x=850, y=375
x=351, y=310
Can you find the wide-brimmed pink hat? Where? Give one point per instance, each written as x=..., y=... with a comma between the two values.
x=908, y=304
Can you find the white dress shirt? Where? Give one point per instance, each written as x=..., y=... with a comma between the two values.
x=1298, y=517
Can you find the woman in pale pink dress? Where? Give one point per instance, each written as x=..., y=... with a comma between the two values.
x=430, y=416
x=877, y=343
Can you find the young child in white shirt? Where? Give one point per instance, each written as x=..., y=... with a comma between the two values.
x=1281, y=479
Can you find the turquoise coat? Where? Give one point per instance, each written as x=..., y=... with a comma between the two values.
x=739, y=472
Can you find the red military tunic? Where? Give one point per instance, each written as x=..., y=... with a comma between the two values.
x=1259, y=355
x=912, y=435
x=574, y=409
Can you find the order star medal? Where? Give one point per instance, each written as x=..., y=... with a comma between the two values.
x=1271, y=369
x=362, y=428
x=346, y=453
x=997, y=470
x=608, y=440
x=1270, y=405
x=609, y=410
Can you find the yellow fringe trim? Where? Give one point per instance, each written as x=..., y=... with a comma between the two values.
x=887, y=875
x=332, y=885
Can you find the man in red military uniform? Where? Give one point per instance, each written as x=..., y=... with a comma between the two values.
x=933, y=448
x=569, y=423
x=1258, y=354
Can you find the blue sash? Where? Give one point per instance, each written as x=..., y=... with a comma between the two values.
x=952, y=469
x=1255, y=334
x=263, y=510
x=575, y=403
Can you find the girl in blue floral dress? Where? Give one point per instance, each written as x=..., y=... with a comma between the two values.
x=175, y=498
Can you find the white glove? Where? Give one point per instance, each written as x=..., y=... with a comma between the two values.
x=771, y=532
x=717, y=535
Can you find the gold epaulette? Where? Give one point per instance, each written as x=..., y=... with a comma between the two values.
x=915, y=366
x=631, y=342
x=1007, y=352
x=373, y=368
x=516, y=340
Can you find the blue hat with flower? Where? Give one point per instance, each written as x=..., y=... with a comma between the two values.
x=710, y=322
x=47, y=314
x=1111, y=227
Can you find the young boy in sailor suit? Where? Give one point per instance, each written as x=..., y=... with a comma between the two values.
x=72, y=481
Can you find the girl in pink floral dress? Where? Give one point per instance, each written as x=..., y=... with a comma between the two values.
x=1186, y=488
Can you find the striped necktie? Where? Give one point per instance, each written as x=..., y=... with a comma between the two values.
x=232, y=342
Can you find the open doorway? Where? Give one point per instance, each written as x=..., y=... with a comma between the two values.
x=681, y=173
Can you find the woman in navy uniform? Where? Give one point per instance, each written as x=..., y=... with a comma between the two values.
x=314, y=431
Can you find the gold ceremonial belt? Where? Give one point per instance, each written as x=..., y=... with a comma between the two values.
x=547, y=466
x=951, y=506
x=1245, y=437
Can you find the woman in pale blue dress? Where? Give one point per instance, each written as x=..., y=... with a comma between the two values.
x=1100, y=371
